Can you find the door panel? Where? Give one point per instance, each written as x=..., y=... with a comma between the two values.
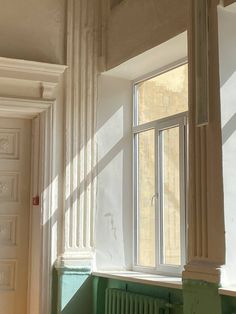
x=15, y=163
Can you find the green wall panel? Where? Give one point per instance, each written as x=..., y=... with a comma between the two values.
x=201, y=298
x=75, y=291
x=228, y=305
x=72, y=291
x=100, y=285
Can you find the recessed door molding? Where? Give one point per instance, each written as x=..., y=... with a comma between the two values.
x=31, y=90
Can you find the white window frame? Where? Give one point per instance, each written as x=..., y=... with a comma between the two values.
x=160, y=125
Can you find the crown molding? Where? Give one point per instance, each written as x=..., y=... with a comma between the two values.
x=25, y=69
x=40, y=79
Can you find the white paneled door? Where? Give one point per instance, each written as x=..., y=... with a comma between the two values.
x=15, y=164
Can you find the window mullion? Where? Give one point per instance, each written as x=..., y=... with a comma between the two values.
x=182, y=145
x=158, y=195
x=135, y=198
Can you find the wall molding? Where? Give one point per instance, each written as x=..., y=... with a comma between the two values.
x=42, y=79
x=206, y=238
x=201, y=18
x=22, y=95
x=80, y=122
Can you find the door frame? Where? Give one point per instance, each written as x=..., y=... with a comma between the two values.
x=42, y=115
x=35, y=90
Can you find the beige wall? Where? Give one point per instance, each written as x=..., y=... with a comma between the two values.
x=33, y=30
x=137, y=25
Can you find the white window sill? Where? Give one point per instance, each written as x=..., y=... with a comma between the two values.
x=228, y=291
x=155, y=280
x=142, y=278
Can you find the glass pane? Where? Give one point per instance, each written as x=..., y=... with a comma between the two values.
x=146, y=202
x=171, y=197
x=163, y=95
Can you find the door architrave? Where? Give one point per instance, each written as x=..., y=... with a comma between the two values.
x=46, y=82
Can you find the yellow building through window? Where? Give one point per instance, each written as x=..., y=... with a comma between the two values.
x=160, y=146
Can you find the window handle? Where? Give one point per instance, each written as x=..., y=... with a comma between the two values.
x=154, y=198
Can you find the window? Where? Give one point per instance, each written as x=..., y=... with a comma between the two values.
x=160, y=114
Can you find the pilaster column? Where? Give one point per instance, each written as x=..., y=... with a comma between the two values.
x=206, y=246
x=80, y=149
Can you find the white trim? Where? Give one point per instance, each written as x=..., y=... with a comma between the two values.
x=45, y=118
x=22, y=69
x=142, y=278
x=228, y=291
x=22, y=108
x=46, y=178
x=152, y=125
x=158, y=125
x=202, y=269
x=201, y=50
x=80, y=160
x=160, y=71
x=48, y=78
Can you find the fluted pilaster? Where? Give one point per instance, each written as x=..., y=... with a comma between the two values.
x=80, y=113
x=206, y=213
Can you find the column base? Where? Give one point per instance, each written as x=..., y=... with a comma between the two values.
x=203, y=270
x=72, y=289
x=76, y=259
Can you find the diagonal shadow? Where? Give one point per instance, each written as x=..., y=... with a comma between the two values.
x=82, y=300
x=97, y=170
x=229, y=128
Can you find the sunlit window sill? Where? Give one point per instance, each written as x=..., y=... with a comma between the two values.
x=228, y=291
x=142, y=278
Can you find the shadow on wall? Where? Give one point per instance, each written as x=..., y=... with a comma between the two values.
x=75, y=294
x=113, y=172
x=227, y=53
x=228, y=129
x=81, y=301
x=227, y=44
x=114, y=168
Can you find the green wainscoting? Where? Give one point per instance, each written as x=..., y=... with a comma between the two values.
x=72, y=291
x=100, y=285
x=228, y=305
x=201, y=298
x=76, y=291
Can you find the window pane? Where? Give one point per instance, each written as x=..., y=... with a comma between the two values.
x=146, y=202
x=163, y=95
x=171, y=196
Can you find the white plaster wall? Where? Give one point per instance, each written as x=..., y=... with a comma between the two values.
x=135, y=26
x=227, y=48
x=113, y=225
x=33, y=30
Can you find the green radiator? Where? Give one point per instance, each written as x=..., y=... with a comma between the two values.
x=123, y=302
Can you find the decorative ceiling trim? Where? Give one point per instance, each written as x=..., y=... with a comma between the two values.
x=42, y=77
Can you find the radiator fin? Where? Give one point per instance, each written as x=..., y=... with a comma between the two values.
x=123, y=302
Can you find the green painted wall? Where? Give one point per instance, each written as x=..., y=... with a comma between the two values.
x=201, y=298
x=101, y=284
x=75, y=291
x=72, y=291
x=228, y=305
